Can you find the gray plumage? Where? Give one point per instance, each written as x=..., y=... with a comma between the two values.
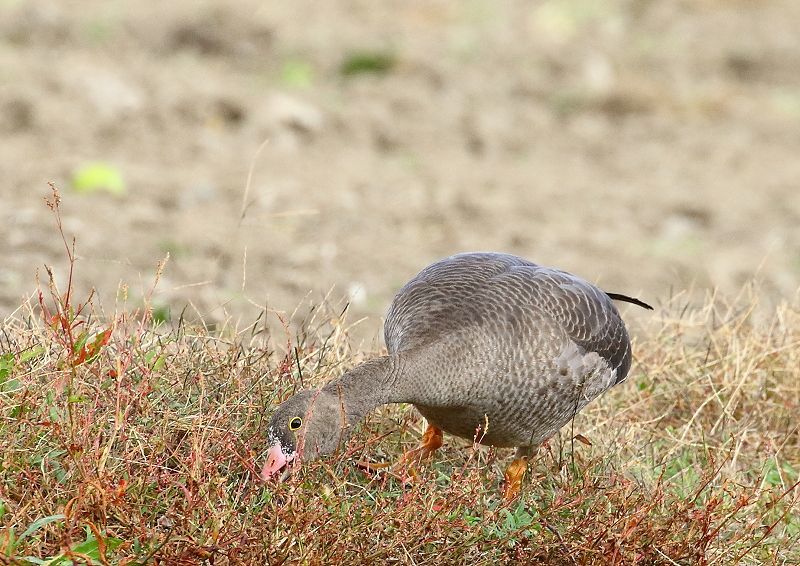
x=486, y=346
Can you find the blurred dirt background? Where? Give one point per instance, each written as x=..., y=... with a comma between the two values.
x=650, y=146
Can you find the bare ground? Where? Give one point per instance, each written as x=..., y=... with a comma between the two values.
x=649, y=146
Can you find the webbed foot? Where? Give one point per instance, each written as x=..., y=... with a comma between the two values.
x=514, y=475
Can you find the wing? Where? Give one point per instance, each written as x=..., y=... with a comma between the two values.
x=442, y=297
x=470, y=290
x=585, y=313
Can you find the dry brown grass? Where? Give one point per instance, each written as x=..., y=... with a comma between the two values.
x=125, y=441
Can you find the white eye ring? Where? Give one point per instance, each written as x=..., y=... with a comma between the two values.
x=295, y=423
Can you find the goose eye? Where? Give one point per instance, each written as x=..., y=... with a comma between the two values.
x=295, y=423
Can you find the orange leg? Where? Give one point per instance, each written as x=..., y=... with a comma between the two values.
x=514, y=475
x=431, y=442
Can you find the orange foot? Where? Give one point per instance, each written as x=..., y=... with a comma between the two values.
x=514, y=475
x=403, y=469
x=431, y=442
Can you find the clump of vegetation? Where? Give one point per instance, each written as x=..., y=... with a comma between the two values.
x=367, y=62
x=129, y=441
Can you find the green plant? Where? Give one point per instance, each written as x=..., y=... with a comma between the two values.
x=367, y=62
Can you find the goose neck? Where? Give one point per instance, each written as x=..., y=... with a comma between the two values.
x=366, y=387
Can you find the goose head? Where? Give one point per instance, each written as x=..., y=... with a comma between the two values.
x=308, y=425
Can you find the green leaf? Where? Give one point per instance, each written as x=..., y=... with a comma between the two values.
x=6, y=365
x=9, y=386
x=36, y=525
x=28, y=355
x=80, y=342
x=90, y=547
x=95, y=347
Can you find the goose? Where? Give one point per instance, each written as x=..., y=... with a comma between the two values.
x=487, y=346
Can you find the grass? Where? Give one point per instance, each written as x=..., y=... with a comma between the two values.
x=130, y=441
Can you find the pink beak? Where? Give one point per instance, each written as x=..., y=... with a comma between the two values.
x=276, y=461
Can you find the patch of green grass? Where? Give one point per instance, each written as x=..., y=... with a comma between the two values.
x=161, y=313
x=367, y=62
x=297, y=73
x=98, y=177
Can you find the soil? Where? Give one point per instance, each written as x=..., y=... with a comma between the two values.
x=648, y=146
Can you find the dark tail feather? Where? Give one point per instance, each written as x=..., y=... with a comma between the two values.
x=618, y=297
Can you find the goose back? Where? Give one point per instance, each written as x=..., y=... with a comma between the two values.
x=489, y=291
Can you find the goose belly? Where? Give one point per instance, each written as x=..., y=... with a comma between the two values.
x=510, y=409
